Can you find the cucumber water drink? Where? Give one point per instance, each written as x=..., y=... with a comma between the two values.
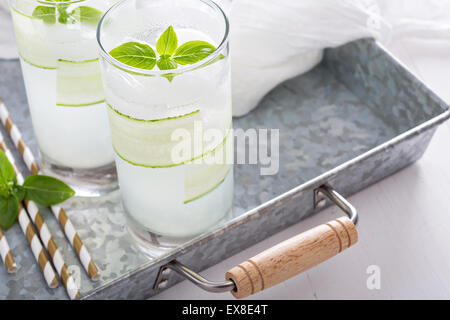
x=166, y=77
x=60, y=65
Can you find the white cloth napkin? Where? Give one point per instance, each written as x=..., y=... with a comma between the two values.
x=272, y=41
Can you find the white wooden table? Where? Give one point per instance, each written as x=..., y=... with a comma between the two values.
x=404, y=224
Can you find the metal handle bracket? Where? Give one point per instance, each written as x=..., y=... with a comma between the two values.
x=162, y=280
x=325, y=191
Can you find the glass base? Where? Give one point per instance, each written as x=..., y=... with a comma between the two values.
x=93, y=182
x=154, y=245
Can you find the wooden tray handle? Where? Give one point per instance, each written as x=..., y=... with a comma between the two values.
x=292, y=257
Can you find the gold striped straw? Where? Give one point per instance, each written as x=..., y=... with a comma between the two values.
x=59, y=213
x=32, y=238
x=55, y=254
x=45, y=235
x=6, y=254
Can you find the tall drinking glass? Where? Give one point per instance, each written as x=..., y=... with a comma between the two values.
x=60, y=65
x=171, y=129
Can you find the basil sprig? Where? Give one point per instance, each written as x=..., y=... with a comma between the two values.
x=142, y=56
x=41, y=189
x=83, y=14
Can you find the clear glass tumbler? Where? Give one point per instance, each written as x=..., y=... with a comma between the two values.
x=60, y=64
x=170, y=194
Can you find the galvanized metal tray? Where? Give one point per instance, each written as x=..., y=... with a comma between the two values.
x=356, y=118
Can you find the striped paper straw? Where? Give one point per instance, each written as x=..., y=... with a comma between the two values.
x=66, y=278
x=32, y=238
x=6, y=254
x=44, y=233
x=50, y=245
x=60, y=214
x=16, y=137
x=37, y=249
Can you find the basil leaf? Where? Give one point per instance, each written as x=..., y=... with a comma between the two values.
x=135, y=54
x=167, y=42
x=5, y=191
x=18, y=192
x=86, y=14
x=192, y=52
x=8, y=211
x=6, y=170
x=166, y=63
x=46, y=14
x=46, y=190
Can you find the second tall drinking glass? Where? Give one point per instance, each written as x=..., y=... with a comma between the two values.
x=166, y=76
x=60, y=65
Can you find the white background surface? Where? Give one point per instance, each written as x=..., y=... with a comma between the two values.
x=404, y=225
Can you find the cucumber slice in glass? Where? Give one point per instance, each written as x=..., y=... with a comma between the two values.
x=78, y=83
x=203, y=178
x=148, y=143
x=33, y=49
